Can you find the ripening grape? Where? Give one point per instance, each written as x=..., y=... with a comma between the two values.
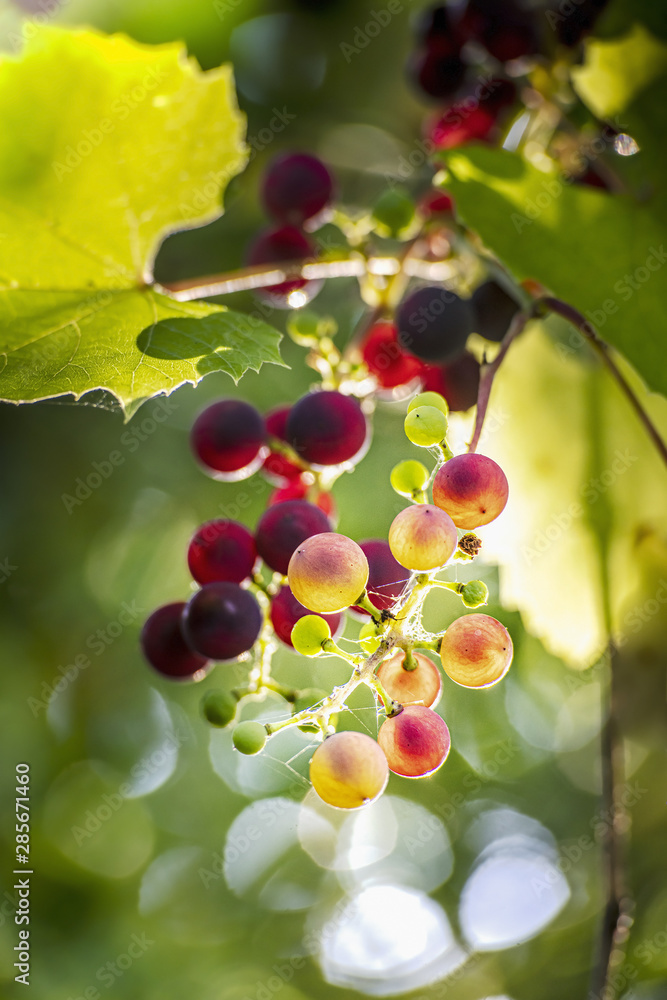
x=434, y=323
x=165, y=648
x=249, y=737
x=421, y=539
x=279, y=246
x=457, y=381
x=409, y=477
x=461, y=124
x=349, y=770
x=423, y=685
x=476, y=651
x=284, y=526
x=386, y=577
x=221, y=550
x=286, y=612
x=472, y=489
x=328, y=572
x=219, y=707
x=425, y=426
x=416, y=742
x=436, y=203
x=228, y=439
x=327, y=428
x=386, y=360
x=309, y=633
x=278, y=468
x=221, y=621
x=494, y=310
x=296, y=187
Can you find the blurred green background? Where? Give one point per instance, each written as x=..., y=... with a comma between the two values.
x=484, y=881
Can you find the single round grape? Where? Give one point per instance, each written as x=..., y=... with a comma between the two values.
x=228, y=439
x=494, y=310
x=422, y=686
x=164, y=646
x=472, y=489
x=296, y=187
x=286, y=244
x=416, y=742
x=222, y=621
x=476, y=651
x=349, y=770
x=436, y=73
x=249, y=737
x=435, y=399
x=309, y=633
x=222, y=550
x=457, y=381
x=409, y=477
x=420, y=539
x=425, y=426
x=386, y=360
x=219, y=707
x=434, y=323
x=386, y=577
x=278, y=468
x=283, y=527
x=327, y=428
x=328, y=572
x=460, y=125
x=393, y=212
x=286, y=612
x=475, y=593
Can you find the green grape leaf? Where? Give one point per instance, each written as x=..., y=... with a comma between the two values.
x=126, y=144
x=603, y=254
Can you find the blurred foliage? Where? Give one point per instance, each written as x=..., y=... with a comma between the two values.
x=204, y=878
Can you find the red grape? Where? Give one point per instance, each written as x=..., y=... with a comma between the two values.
x=386, y=576
x=228, y=439
x=222, y=550
x=280, y=246
x=327, y=428
x=472, y=489
x=386, y=360
x=221, y=621
x=434, y=323
x=283, y=527
x=165, y=648
x=278, y=468
x=296, y=187
x=416, y=742
x=457, y=381
x=476, y=651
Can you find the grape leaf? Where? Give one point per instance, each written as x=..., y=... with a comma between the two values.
x=127, y=143
x=603, y=254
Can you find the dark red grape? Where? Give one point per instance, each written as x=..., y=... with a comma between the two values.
x=506, y=30
x=494, y=311
x=277, y=468
x=573, y=25
x=436, y=203
x=385, y=359
x=283, y=527
x=457, y=381
x=300, y=490
x=434, y=323
x=434, y=26
x=460, y=125
x=279, y=246
x=228, y=438
x=327, y=428
x=435, y=73
x=222, y=621
x=286, y=612
x=386, y=576
x=296, y=187
x=222, y=550
x=165, y=648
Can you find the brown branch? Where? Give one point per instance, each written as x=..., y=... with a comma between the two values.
x=603, y=349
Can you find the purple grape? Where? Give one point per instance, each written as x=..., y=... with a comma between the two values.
x=327, y=428
x=228, y=439
x=222, y=621
x=296, y=187
x=164, y=646
x=386, y=578
x=494, y=311
x=283, y=527
x=222, y=550
x=434, y=323
x=437, y=74
x=286, y=612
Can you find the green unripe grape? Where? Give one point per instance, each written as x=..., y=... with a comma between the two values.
x=219, y=707
x=369, y=640
x=309, y=633
x=249, y=737
x=393, y=211
x=474, y=594
x=429, y=399
x=304, y=327
x=409, y=477
x=425, y=426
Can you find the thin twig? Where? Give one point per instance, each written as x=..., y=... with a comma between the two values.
x=603, y=349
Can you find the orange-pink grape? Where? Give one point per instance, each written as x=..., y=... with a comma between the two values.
x=327, y=572
x=422, y=537
x=416, y=742
x=349, y=770
x=476, y=651
x=422, y=685
x=472, y=489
